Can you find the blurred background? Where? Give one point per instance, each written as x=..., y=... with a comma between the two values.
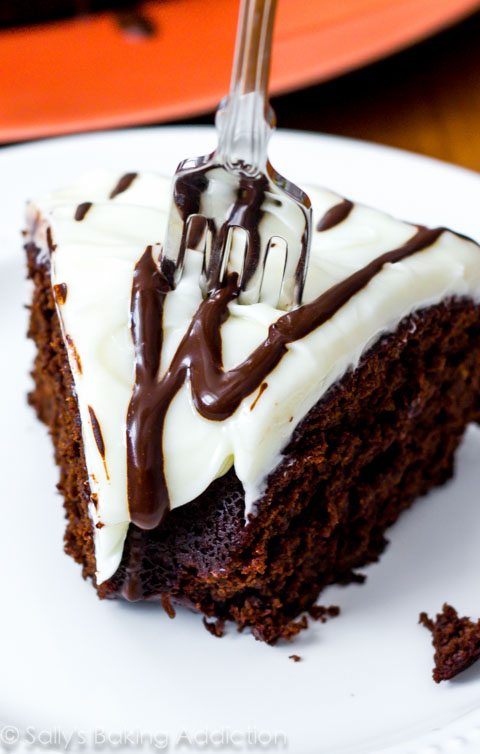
x=399, y=72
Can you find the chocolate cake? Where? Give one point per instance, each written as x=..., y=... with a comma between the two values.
x=456, y=642
x=232, y=457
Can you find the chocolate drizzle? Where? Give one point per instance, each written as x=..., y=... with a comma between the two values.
x=245, y=212
x=335, y=215
x=261, y=391
x=123, y=184
x=97, y=433
x=216, y=394
x=82, y=210
x=147, y=491
x=187, y=192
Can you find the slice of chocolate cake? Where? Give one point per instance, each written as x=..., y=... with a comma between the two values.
x=235, y=458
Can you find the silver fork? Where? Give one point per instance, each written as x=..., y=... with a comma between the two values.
x=233, y=198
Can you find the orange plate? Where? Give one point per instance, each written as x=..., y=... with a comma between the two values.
x=84, y=74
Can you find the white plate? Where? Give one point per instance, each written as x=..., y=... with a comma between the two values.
x=70, y=664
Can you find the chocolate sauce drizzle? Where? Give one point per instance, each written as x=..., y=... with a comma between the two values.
x=82, y=210
x=246, y=212
x=335, y=215
x=216, y=394
x=123, y=184
x=97, y=433
x=147, y=490
x=261, y=391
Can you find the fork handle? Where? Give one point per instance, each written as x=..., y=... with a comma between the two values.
x=244, y=120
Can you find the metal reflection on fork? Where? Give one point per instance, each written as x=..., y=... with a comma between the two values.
x=235, y=192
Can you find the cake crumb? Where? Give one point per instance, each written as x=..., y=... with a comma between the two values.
x=322, y=613
x=167, y=605
x=456, y=642
x=216, y=627
x=295, y=658
x=294, y=627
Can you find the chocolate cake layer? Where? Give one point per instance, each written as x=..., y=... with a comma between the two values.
x=54, y=399
x=382, y=436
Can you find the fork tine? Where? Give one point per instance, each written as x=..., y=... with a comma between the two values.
x=292, y=283
x=215, y=257
x=253, y=270
x=274, y=271
x=172, y=257
x=196, y=233
x=295, y=272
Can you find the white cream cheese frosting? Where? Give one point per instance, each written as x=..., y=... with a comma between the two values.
x=95, y=258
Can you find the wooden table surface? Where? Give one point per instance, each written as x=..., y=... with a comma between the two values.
x=425, y=99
